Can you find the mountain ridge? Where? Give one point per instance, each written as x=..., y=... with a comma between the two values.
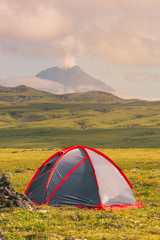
x=28, y=94
x=31, y=95
x=73, y=80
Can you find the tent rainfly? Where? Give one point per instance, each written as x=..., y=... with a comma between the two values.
x=83, y=177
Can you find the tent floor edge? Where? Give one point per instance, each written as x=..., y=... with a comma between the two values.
x=101, y=206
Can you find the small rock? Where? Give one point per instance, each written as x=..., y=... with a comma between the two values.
x=10, y=198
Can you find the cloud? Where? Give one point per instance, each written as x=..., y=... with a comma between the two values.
x=45, y=85
x=123, y=32
x=142, y=76
x=37, y=83
x=132, y=96
x=31, y=21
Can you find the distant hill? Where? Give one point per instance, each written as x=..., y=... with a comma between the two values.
x=27, y=94
x=72, y=80
x=91, y=97
x=24, y=93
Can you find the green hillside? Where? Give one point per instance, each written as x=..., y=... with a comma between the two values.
x=25, y=94
x=31, y=118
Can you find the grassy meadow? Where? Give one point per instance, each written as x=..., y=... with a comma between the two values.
x=141, y=167
x=35, y=124
x=35, y=119
x=98, y=125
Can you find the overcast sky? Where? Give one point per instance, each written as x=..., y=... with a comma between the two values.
x=116, y=41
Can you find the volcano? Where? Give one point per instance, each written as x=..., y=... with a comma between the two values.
x=70, y=80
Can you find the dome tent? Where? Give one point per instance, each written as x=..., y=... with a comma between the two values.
x=83, y=177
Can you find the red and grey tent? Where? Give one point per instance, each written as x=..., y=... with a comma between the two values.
x=83, y=177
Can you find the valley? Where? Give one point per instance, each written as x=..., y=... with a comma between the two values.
x=98, y=119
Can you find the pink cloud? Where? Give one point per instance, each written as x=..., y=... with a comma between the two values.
x=123, y=32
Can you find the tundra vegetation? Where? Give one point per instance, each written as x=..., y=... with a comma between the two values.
x=31, y=119
x=141, y=167
x=34, y=125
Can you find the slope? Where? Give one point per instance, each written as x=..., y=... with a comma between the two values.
x=74, y=80
x=92, y=118
x=23, y=93
x=27, y=95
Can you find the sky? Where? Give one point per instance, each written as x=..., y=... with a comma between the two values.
x=116, y=41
